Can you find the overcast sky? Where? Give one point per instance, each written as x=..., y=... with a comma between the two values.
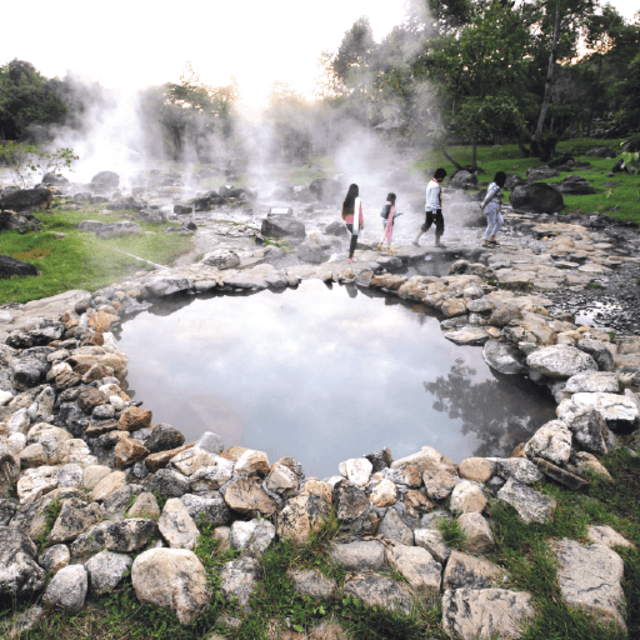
x=136, y=43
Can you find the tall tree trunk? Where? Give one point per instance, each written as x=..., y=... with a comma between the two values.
x=450, y=159
x=474, y=155
x=537, y=137
x=595, y=93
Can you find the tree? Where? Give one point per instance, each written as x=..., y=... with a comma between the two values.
x=25, y=159
x=27, y=99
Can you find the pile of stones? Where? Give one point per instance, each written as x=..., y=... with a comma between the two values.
x=84, y=471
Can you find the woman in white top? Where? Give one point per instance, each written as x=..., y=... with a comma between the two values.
x=491, y=206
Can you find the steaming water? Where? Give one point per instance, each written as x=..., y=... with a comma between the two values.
x=323, y=375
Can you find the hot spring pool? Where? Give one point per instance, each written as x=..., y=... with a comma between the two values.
x=324, y=374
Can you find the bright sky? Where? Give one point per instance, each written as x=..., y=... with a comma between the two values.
x=135, y=43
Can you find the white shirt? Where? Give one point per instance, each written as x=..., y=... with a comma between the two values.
x=433, y=196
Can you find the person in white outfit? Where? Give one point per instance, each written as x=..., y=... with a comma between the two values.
x=433, y=207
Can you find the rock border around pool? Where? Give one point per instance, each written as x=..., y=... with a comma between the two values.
x=71, y=438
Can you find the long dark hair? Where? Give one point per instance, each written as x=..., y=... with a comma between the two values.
x=500, y=178
x=391, y=197
x=348, y=206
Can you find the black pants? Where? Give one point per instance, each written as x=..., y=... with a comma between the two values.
x=354, y=241
x=429, y=219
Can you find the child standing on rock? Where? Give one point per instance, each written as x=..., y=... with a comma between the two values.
x=388, y=214
x=352, y=216
x=491, y=207
x=433, y=207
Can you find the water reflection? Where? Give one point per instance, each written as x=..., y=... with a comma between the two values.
x=321, y=374
x=501, y=412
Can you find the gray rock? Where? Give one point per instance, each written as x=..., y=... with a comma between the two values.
x=431, y=540
x=552, y=441
x=394, y=528
x=463, y=180
x=537, y=197
x=128, y=535
x=589, y=578
x=31, y=367
x=106, y=571
x=91, y=541
x=55, y=558
x=479, y=537
x=177, y=526
x=599, y=352
x=486, y=613
x=238, y=580
x=503, y=357
x=593, y=382
x=313, y=584
x=530, y=504
x=221, y=259
x=167, y=482
x=20, y=574
x=208, y=509
x=468, y=572
x=521, y=470
x=282, y=226
x=617, y=410
x=377, y=591
x=417, y=566
x=254, y=536
x=589, y=428
x=173, y=578
x=560, y=361
x=75, y=518
x=119, y=229
x=210, y=442
x=360, y=555
x=68, y=589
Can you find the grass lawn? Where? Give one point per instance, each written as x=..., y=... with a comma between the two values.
x=508, y=158
x=67, y=258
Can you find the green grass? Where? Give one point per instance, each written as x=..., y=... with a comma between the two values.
x=67, y=258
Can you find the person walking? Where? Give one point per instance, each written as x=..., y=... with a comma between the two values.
x=491, y=206
x=388, y=215
x=352, y=216
x=433, y=208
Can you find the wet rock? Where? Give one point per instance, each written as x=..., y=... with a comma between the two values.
x=468, y=335
x=503, y=357
x=221, y=259
x=463, y=180
x=486, y=613
x=173, y=578
x=530, y=504
x=68, y=589
x=560, y=361
x=164, y=437
x=31, y=367
x=618, y=411
x=593, y=382
x=106, y=180
x=589, y=578
x=119, y=229
x=587, y=425
x=20, y=574
x=377, y=591
x=25, y=199
x=106, y=571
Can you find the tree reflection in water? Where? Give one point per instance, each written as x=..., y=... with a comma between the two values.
x=502, y=412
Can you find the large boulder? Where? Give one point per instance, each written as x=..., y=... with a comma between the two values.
x=11, y=267
x=19, y=572
x=601, y=152
x=463, y=180
x=542, y=173
x=106, y=180
x=173, y=578
x=117, y=229
x=282, y=225
x=24, y=199
x=537, y=197
x=326, y=189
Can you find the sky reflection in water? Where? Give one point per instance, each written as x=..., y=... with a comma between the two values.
x=323, y=375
